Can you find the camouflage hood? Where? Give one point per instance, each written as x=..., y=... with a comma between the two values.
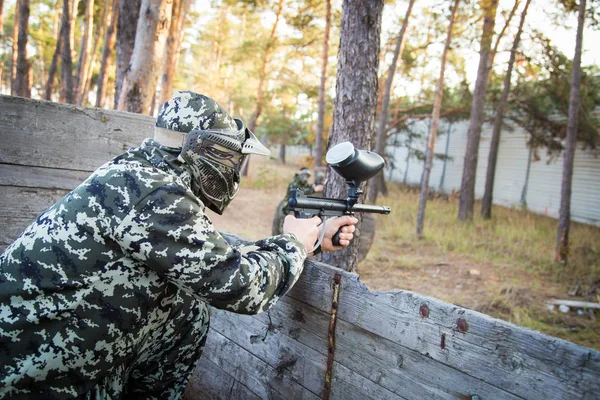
x=167, y=159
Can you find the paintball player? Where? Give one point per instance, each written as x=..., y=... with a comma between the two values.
x=106, y=293
x=300, y=181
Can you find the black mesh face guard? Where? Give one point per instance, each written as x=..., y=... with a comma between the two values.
x=216, y=160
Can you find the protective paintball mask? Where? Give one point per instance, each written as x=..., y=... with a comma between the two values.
x=216, y=157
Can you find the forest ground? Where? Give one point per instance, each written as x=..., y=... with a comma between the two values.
x=500, y=267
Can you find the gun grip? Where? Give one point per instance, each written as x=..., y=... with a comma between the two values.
x=336, y=238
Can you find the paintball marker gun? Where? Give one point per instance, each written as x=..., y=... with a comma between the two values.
x=355, y=166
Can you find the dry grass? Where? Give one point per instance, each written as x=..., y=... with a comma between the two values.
x=503, y=266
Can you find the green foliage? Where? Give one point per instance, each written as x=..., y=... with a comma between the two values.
x=541, y=100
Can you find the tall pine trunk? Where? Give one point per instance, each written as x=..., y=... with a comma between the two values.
x=171, y=58
x=378, y=182
x=322, y=88
x=1, y=41
x=262, y=74
x=98, y=35
x=1, y=20
x=129, y=11
x=139, y=84
x=107, y=54
x=15, y=50
x=501, y=35
x=355, y=100
x=58, y=33
x=486, y=205
x=22, y=83
x=67, y=61
x=435, y=121
x=467, y=187
x=564, y=217
x=85, y=52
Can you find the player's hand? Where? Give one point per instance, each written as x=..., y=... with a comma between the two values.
x=318, y=188
x=306, y=230
x=331, y=227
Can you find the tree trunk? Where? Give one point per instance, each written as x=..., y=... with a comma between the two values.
x=1, y=41
x=73, y=24
x=85, y=53
x=377, y=183
x=261, y=81
x=107, y=54
x=282, y=153
x=435, y=120
x=173, y=46
x=355, y=100
x=1, y=20
x=139, y=84
x=66, y=56
x=501, y=35
x=129, y=11
x=22, y=78
x=564, y=218
x=99, y=33
x=54, y=65
x=467, y=188
x=443, y=175
x=15, y=50
x=486, y=205
x=322, y=87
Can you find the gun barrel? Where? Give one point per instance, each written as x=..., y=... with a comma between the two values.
x=334, y=205
x=371, y=209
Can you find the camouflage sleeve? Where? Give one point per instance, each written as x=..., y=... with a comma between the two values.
x=169, y=232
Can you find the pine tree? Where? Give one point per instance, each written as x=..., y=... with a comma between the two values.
x=356, y=99
x=435, y=120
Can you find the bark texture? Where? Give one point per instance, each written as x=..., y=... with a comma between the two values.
x=171, y=58
x=1, y=39
x=435, y=121
x=86, y=51
x=488, y=196
x=107, y=54
x=564, y=217
x=355, y=100
x=139, y=84
x=378, y=182
x=467, y=187
x=15, y=50
x=322, y=88
x=54, y=66
x=66, y=57
x=129, y=12
x=22, y=82
x=1, y=19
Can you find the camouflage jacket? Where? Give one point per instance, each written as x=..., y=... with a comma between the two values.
x=67, y=283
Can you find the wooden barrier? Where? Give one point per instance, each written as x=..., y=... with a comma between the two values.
x=392, y=345
x=47, y=149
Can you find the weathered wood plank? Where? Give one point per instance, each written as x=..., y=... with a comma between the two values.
x=53, y=135
x=20, y=206
x=26, y=202
x=37, y=177
x=209, y=382
x=11, y=228
x=400, y=370
x=520, y=361
x=574, y=304
x=257, y=375
x=305, y=365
